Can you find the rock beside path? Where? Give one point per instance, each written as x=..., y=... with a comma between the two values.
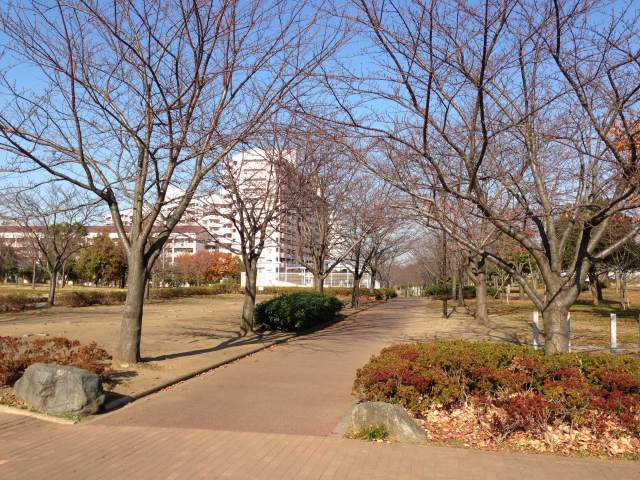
x=60, y=389
x=397, y=423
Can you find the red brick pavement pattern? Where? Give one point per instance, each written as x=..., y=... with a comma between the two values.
x=278, y=414
x=98, y=452
x=301, y=388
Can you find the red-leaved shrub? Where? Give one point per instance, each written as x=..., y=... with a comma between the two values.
x=528, y=389
x=17, y=353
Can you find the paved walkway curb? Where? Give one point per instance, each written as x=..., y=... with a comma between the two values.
x=118, y=403
x=39, y=416
x=121, y=402
x=262, y=419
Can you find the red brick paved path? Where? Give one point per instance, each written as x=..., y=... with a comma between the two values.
x=268, y=417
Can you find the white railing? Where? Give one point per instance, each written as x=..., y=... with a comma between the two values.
x=303, y=278
x=334, y=279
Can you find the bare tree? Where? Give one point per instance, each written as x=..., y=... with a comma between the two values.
x=425, y=254
x=559, y=142
x=326, y=175
x=54, y=220
x=133, y=98
x=623, y=261
x=385, y=255
x=251, y=191
x=367, y=229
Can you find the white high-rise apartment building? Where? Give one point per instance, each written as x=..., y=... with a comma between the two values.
x=206, y=225
x=256, y=181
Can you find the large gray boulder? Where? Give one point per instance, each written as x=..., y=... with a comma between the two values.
x=397, y=423
x=60, y=389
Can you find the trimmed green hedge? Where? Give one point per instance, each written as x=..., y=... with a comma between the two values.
x=179, y=292
x=91, y=297
x=297, y=311
x=379, y=293
x=335, y=291
x=105, y=297
x=437, y=291
x=84, y=298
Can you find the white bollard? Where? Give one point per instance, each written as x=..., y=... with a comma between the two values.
x=535, y=326
x=613, y=332
x=569, y=328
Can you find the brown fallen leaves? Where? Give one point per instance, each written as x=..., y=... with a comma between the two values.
x=471, y=426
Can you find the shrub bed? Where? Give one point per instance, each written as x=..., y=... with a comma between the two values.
x=378, y=294
x=512, y=391
x=15, y=302
x=390, y=293
x=384, y=293
x=297, y=311
x=86, y=298
x=180, y=292
x=437, y=291
x=335, y=291
x=17, y=353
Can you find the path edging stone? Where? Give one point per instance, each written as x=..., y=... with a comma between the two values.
x=115, y=404
x=40, y=416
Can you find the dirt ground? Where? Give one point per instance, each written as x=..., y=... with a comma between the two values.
x=186, y=335
x=512, y=322
x=178, y=336
x=587, y=335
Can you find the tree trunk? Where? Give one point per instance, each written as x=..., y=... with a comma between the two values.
x=460, y=290
x=556, y=328
x=481, y=314
x=594, y=287
x=599, y=294
x=623, y=291
x=250, y=289
x=454, y=285
x=372, y=280
x=355, y=291
x=131, y=325
x=318, y=282
x=53, y=282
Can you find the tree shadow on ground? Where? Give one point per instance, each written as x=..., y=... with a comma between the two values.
x=369, y=325
x=113, y=400
x=238, y=340
x=118, y=377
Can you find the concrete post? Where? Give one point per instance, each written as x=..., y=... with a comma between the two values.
x=535, y=326
x=613, y=332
